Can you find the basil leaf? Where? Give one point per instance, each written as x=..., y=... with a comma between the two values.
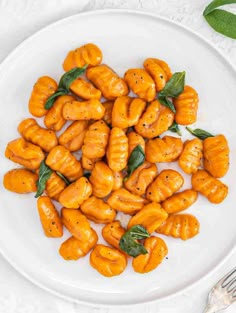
x=174, y=128
x=70, y=76
x=220, y=20
x=50, y=101
x=128, y=242
x=136, y=159
x=199, y=133
x=44, y=174
x=167, y=103
x=174, y=87
x=64, y=178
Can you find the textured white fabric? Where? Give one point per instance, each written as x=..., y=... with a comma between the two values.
x=20, y=19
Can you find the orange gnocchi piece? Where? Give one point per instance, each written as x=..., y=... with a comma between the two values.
x=151, y=216
x=32, y=132
x=77, y=224
x=106, y=80
x=157, y=250
x=216, y=155
x=124, y=201
x=184, y=226
x=60, y=159
x=73, y=137
x=191, y=156
x=117, y=150
x=112, y=233
x=20, y=180
x=141, y=83
x=88, y=164
x=180, y=201
x=85, y=90
x=164, y=186
x=87, y=54
x=54, y=118
x=98, y=211
x=159, y=71
x=49, y=217
x=76, y=193
x=107, y=261
x=74, y=249
x=108, y=105
x=127, y=111
x=24, y=153
x=101, y=179
x=186, y=105
x=141, y=178
x=117, y=180
x=155, y=120
x=134, y=140
x=42, y=90
x=210, y=187
x=83, y=110
x=166, y=149
x=54, y=186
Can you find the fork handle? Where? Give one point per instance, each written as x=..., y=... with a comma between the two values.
x=211, y=308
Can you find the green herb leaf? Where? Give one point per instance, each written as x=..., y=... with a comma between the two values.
x=70, y=76
x=64, y=178
x=136, y=159
x=44, y=174
x=174, y=128
x=167, y=103
x=199, y=133
x=174, y=87
x=129, y=244
x=220, y=20
x=50, y=101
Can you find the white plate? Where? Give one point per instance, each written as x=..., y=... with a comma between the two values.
x=126, y=39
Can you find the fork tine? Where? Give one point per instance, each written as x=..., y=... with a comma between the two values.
x=233, y=293
x=231, y=285
x=223, y=282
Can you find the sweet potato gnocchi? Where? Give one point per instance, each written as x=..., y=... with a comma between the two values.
x=96, y=160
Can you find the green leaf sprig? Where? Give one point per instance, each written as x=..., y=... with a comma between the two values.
x=129, y=244
x=199, y=133
x=220, y=20
x=64, y=178
x=174, y=128
x=173, y=88
x=136, y=159
x=64, y=84
x=44, y=174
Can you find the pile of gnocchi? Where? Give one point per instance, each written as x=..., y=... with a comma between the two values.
x=118, y=136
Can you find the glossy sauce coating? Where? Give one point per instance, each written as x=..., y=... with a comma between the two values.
x=151, y=216
x=32, y=132
x=107, y=81
x=186, y=105
x=54, y=186
x=180, y=201
x=107, y=261
x=216, y=155
x=134, y=140
x=87, y=54
x=166, y=149
x=24, y=153
x=49, y=217
x=84, y=89
x=112, y=233
x=76, y=193
x=60, y=159
x=20, y=180
x=155, y=120
x=108, y=105
x=210, y=187
x=157, y=250
x=164, y=186
x=98, y=211
x=141, y=83
x=191, y=156
x=141, y=178
x=184, y=226
x=44, y=87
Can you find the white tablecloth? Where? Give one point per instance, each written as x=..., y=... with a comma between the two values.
x=18, y=20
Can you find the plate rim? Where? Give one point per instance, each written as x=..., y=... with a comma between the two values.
x=15, y=51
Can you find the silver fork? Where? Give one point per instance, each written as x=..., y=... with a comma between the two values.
x=223, y=294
